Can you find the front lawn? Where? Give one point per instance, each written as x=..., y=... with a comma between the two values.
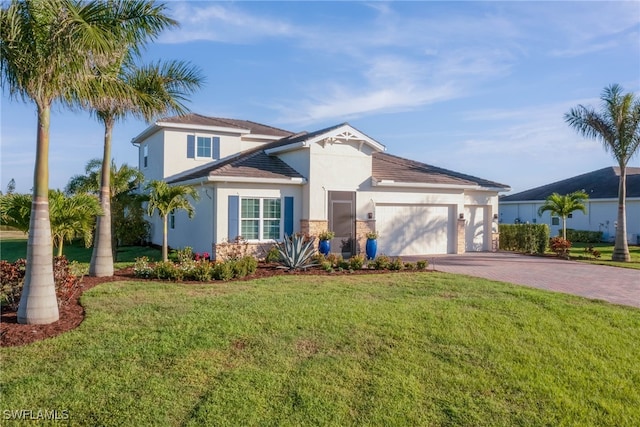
x=389, y=349
x=606, y=250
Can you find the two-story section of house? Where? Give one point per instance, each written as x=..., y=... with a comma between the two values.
x=262, y=183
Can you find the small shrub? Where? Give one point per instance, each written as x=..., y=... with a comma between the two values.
x=356, y=262
x=333, y=259
x=396, y=264
x=166, y=270
x=592, y=252
x=326, y=235
x=584, y=236
x=184, y=255
x=66, y=283
x=381, y=262
x=410, y=265
x=11, y=280
x=273, y=255
x=202, y=270
x=560, y=246
x=141, y=268
x=327, y=266
x=222, y=271
x=372, y=235
x=422, y=264
x=343, y=264
x=244, y=266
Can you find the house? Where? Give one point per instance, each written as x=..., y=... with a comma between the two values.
x=263, y=183
x=602, y=206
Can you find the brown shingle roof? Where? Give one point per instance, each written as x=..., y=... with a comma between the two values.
x=255, y=128
x=399, y=169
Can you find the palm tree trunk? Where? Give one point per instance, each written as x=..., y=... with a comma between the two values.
x=102, y=255
x=165, y=238
x=38, y=302
x=621, y=248
x=60, y=244
x=564, y=227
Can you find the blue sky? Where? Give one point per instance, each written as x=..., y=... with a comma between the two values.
x=476, y=87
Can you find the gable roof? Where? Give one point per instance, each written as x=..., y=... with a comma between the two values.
x=599, y=184
x=394, y=169
x=198, y=121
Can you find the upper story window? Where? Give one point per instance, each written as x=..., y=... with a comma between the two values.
x=145, y=155
x=203, y=147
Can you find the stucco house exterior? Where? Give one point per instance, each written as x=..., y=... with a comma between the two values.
x=263, y=183
x=602, y=206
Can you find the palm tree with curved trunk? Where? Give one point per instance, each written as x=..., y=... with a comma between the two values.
x=165, y=198
x=45, y=47
x=564, y=205
x=72, y=215
x=153, y=89
x=617, y=127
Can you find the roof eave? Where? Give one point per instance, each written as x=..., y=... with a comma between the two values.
x=401, y=184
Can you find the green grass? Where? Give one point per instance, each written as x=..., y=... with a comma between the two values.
x=390, y=349
x=606, y=250
x=12, y=249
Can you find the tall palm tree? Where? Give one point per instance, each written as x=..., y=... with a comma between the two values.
x=617, y=127
x=71, y=216
x=45, y=47
x=563, y=205
x=123, y=181
x=155, y=89
x=164, y=199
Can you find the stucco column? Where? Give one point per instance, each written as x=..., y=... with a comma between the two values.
x=461, y=226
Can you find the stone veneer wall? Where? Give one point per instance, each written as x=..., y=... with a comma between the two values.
x=362, y=228
x=462, y=243
x=495, y=242
x=257, y=250
x=313, y=227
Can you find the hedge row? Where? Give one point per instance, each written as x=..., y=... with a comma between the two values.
x=528, y=238
x=584, y=236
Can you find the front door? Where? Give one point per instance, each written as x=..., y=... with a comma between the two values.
x=342, y=216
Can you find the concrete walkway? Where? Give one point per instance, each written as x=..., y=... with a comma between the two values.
x=613, y=284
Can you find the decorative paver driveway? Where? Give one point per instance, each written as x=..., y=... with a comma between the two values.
x=613, y=284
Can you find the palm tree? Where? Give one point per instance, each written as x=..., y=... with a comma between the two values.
x=45, y=52
x=123, y=181
x=562, y=206
x=166, y=199
x=155, y=89
x=617, y=126
x=72, y=216
x=15, y=211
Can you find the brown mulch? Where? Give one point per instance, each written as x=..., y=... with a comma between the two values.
x=72, y=313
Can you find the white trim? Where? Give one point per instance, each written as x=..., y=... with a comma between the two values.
x=392, y=183
x=242, y=179
x=345, y=132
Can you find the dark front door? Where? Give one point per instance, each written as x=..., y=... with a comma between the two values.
x=342, y=221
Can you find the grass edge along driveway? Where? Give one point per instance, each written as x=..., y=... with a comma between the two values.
x=391, y=349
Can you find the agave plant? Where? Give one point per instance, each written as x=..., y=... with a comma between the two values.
x=296, y=252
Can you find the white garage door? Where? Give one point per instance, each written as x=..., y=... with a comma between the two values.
x=476, y=231
x=415, y=230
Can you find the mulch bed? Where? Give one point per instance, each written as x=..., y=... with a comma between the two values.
x=72, y=313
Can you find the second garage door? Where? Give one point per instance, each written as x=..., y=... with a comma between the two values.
x=415, y=229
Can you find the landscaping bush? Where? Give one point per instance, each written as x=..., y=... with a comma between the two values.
x=422, y=264
x=222, y=271
x=141, y=268
x=528, y=238
x=381, y=262
x=202, y=270
x=167, y=270
x=584, y=236
x=396, y=264
x=560, y=246
x=243, y=267
x=12, y=280
x=356, y=262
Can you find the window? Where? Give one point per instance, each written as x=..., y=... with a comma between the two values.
x=145, y=155
x=203, y=147
x=555, y=220
x=172, y=219
x=260, y=219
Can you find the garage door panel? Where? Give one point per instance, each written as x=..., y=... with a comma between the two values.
x=414, y=230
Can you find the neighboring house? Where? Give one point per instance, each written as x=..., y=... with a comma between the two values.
x=262, y=183
x=602, y=205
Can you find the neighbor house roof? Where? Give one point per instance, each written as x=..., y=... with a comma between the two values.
x=387, y=167
x=599, y=184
